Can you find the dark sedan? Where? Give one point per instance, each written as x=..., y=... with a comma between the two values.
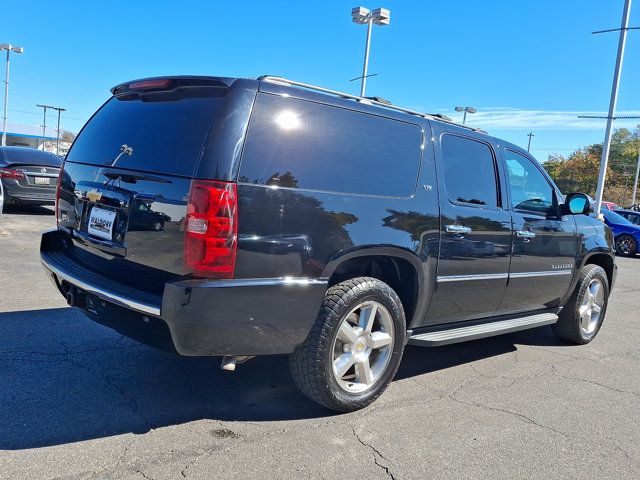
x=28, y=176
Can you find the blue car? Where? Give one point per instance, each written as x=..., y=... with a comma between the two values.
x=627, y=234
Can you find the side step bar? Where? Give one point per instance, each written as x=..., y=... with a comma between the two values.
x=483, y=330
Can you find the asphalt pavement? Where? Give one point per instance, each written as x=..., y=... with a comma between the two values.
x=78, y=401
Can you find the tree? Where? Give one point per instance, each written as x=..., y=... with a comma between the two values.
x=579, y=171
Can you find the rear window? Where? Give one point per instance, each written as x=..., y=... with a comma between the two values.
x=161, y=132
x=295, y=143
x=26, y=155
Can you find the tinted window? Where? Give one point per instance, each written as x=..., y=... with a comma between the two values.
x=26, y=155
x=299, y=144
x=165, y=131
x=612, y=217
x=530, y=190
x=469, y=171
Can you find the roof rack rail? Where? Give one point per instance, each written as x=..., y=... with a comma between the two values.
x=366, y=100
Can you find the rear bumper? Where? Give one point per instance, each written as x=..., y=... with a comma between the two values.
x=16, y=193
x=200, y=317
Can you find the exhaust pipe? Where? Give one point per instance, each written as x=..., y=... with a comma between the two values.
x=229, y=362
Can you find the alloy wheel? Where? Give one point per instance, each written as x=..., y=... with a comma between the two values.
x=591, y=307
x=363, y=347
x=624, y=245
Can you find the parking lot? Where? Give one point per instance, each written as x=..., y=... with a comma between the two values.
x=79, y=401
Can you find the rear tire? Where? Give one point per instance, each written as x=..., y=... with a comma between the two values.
x=355, y=346
x=581, y=318
x=626, y=245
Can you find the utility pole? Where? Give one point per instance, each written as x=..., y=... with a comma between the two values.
x=9, y=48
x=530, y=134
x=606, y=146
x=44, y=124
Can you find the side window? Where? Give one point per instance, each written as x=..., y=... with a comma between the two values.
x=469, y=171
x=530, y=190
x=295, y=143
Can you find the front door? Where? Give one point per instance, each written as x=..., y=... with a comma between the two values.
x=544, y=246
x=475, y=231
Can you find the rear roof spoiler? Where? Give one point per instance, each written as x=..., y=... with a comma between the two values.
x=179, y=81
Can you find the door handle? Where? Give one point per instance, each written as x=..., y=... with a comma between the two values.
x=525, y=235
x=458, y=229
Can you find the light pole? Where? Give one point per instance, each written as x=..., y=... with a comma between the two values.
x=606, y=146
x=465, y=110
x=361, y=15
x=530, y=135
x=9, y=48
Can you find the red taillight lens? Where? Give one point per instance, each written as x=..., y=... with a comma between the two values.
x=8, y=173
x=211, y=229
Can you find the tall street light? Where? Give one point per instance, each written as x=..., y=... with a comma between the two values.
x=361, y=15
x=606, y=146
x=9, y=48
x=465, y=110
x=530, y=135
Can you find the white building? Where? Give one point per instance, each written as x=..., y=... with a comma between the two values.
x=27, y=135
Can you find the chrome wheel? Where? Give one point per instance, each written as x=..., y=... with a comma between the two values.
x=363, y=347
x=591, y=307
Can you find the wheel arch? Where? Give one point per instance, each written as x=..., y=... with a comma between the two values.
x=604, y=260
x=400, y=268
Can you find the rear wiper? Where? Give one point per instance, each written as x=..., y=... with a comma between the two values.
x=133, y=177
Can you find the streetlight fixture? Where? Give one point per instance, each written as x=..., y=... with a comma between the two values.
x=466, y=110
x=15, y=49
x=362, y=15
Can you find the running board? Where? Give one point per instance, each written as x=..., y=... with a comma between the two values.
x=483, y=330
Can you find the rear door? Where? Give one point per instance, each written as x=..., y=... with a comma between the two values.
x=545, y=245
x=475, y=229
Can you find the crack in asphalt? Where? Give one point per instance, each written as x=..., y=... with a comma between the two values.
x=376, y=454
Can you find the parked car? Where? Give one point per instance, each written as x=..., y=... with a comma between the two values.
x=632, y=215
x=332, y=228
x=609, y=206
x=28, y=176
x=626, y=233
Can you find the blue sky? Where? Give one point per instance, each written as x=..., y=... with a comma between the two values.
x=526, y=65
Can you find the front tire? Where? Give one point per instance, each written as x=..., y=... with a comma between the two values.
x=581, y=318
x=626, y=245
x=355, y=346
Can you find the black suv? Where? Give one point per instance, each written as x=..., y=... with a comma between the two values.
x=303, y=221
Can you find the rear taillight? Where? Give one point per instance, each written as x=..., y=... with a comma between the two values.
x=211, y=229
x=58, y=186
x=8, y=173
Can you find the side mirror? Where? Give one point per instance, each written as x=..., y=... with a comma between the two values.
x=577, y=204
